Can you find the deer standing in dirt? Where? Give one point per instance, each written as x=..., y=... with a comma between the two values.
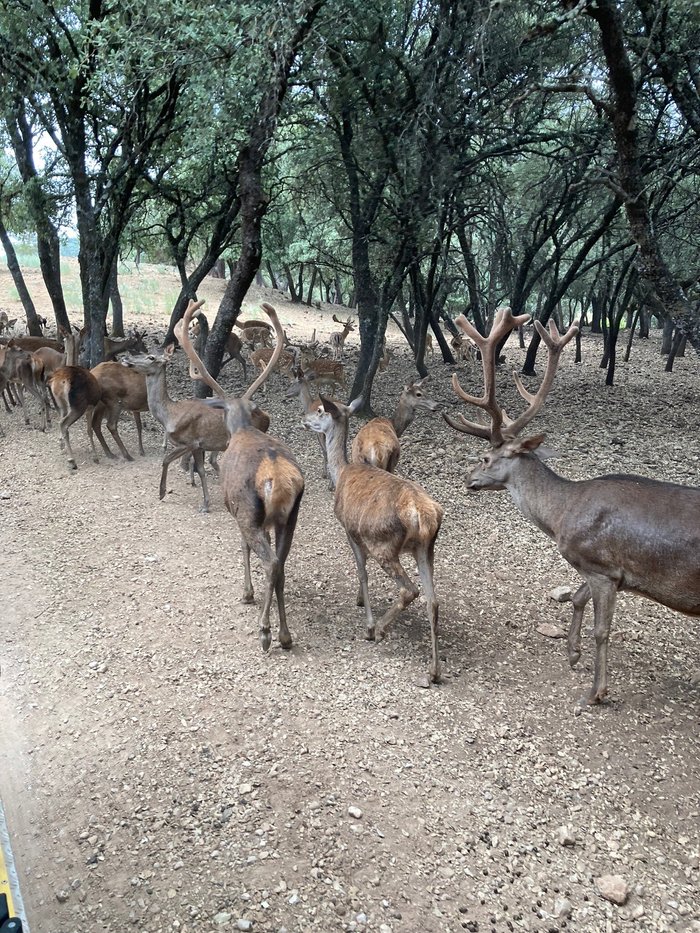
x=337, y=339
x=620, y=532
x=76, y=391
x=384, y=516
x=262, y=484
x=121, y=388
x=18, y=371
x=377, y=442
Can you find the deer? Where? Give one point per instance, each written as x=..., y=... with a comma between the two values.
x=377, y=442
x=300, y=388
x=75, y=390
x=121, y=388
x=17, y=369
x=465, y=346
x=384, y=516
x=233, y=346
x=250, y=336
x=190, y=425
x=620, y=532
x=32, y=343
x=244, y=325
x=6, y=323
x=337, y=339
x=262, y=484
x=261, y=359
x=113, y=346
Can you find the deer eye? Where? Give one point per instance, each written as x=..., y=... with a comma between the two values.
x=320, y=410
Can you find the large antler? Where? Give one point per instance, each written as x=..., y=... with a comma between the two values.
x=197, y=368
x=276, y=353
x=555, y=343
x=502, y=428
x=503, y=323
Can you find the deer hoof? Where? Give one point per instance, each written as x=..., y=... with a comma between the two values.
x=248, y=598
x=435, y=675
x=286, y=641
x=265, y=639
x=72, y=465
x=574, y=657
x=370, y=636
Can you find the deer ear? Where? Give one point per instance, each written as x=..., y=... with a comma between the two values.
x=534, y=445
x=168, y=350
x=330, y=407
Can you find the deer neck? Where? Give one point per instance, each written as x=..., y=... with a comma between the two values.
x=541, y=494
x=403, y=416
x=305, y=395
x=337, y=450
x=159, y=401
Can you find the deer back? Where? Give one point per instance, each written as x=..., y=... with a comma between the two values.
x=377, y=444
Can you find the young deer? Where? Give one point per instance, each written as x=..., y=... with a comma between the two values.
x=262, y=484
x=337, y=339
x=620, y=532
x=384, y=516
x=377, y=442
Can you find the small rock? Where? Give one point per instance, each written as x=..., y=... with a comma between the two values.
x=244, y=924
x=562, y=907
x=4, y=494
x=385, y=928
x=245, y=788
x=355, y=812
x=566, y=836
x=361, y=918
x=695, y=679
x=613, y=888
x=423, y=682
x=62, y=896
x=550, y=630
x=561, y=594
x=222, y=918
x=638, y=912
x=617, y=440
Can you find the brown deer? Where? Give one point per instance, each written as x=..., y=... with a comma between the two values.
x=261, y=360
x=32, y=343
x=264, y=325
x=121, y=388
x=465, y=347
x=337, y=339
x=18, y=371
x=620, y=532
x=233, y=346
x=301, y=388
x=76, y=391
x=384, y=516
x=377, y=442
x=113, y=346
x=262, y=484
x=327, y=373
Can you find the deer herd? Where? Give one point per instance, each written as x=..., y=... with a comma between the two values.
x=620, y=532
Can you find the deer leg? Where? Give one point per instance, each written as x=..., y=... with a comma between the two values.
x=214, y=461
x=247, y=581
x=241, y=360
x=112, y=422
x=424, y=561
x=363, y=594
x=19, y=392
x=283, y=542
x=94, y=423
x=139, y=429
x=579, y=600
x=67, y=420
x=407, y=593
x=167, y=460
x=604, y=596
x=198, y=457
x=260, y=543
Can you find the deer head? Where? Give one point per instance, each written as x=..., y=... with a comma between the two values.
x=495, y=468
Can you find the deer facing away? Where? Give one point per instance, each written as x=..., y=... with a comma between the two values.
x=384, y=516
x=262, y=483
x=620, y=532
x=377, y=442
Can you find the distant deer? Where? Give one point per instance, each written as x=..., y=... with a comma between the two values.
x=261, y=360
x=264, y=325
x=113, y=346
x=6, y=323
x=377, y=442
x=466, y=348
x=251, y=336
x=337, y=339
x=620, y=532
x=384, y=516
x=33, y=343
x=262, y=484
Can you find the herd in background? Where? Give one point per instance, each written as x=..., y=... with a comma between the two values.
x=621, y=533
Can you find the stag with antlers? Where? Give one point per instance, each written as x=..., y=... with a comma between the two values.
x=262, y=482
x=337, y=339
x=620, y=532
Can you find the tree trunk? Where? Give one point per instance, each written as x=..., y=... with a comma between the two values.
x=271, y=273
x=667, y=338
x=16, y=272
x=290, y=284
x=637, y=316
x=623, y=116
x=116, y=301
x=314, y=274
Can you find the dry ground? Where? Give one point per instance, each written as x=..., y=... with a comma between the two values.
x=159, y=773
